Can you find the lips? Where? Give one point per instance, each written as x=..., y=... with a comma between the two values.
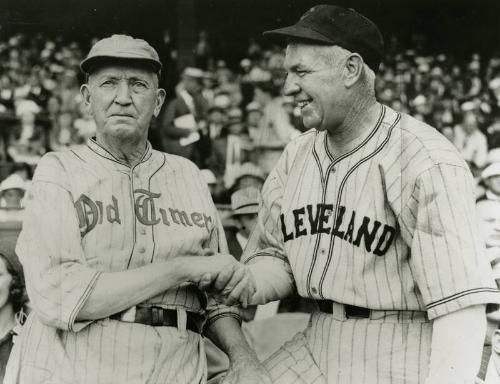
x=122, y=115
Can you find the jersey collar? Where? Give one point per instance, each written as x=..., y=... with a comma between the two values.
x=103, y=152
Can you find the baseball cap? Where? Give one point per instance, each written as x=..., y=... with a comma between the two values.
x=334, y=25
x=490, y=171
x=121, y=47
x=193, y=72
x=245, y=201
x=12, y=182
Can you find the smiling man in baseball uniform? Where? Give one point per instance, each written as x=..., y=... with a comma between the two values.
x=115, y=243
x=371, y=213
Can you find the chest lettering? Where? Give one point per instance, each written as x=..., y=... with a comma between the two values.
x=91, y=213
x=355, y=229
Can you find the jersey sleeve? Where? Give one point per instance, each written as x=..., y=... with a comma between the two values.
x=447, y=257
x=265, y=251
x=58, y=279
x=217, y=243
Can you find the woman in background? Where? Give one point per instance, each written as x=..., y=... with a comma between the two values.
x=12, y=299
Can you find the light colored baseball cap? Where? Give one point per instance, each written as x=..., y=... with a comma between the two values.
x=193, y=72
x=490, y=171
x=245, y=201
x=13, y=182
x=121, y=47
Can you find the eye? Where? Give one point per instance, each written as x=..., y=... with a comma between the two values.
x=140, y=85
x=107, y=83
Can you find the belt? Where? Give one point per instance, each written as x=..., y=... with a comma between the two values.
x=162, y=317
x=347, y=311
x=350, y=311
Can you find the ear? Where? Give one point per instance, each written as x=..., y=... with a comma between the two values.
x=353, y=69
x=85, y=92
x=495, y=341
x=160, y=98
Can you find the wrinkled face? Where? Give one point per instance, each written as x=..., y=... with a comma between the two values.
x=316, y=85
x=5, y=282
x=489, y=221
x=123, y=99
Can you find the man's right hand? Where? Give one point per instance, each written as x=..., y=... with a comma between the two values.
x=221, y=274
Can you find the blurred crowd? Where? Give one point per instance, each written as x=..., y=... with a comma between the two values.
x=234, y=121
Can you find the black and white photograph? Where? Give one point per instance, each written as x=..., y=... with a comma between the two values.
x=249, y=192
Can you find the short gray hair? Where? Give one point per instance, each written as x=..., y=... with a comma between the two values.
x=335, y=54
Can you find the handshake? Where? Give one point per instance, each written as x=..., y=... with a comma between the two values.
x=230, y=281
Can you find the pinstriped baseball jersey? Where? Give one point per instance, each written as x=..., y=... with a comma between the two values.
x=388, y=225
x=88, y=213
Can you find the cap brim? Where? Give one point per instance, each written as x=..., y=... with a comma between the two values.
x=295, y=32
x=89, y=64
x=247, y=210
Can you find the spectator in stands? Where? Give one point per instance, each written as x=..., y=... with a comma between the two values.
x=216, y=121
x=62, y=135
x=254, y=115
x=275, y=127
x=185, y=117
x=84, y=126
x=231, y=149
x=211, y=181
x=12, y=299
x=12, y=191
x=470, y=141
x=493, y=133
x=490, y=178
x=488, y=212
x=275, y=130
x=27, y=142
x=248, y=175
x=245, y=207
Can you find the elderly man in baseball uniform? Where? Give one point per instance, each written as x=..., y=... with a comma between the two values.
x=371, y=213
x=115, y=246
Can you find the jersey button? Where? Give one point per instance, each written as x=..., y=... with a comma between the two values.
x=332, y=170
x=314, y=290
x=322, y=251
x=142, y=231
x=141, y=249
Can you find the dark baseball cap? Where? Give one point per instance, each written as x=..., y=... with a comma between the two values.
x=121, y=48
x=333, y=25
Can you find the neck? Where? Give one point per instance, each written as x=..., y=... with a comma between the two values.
x=128, y=151
x=360, y=119
x=7, y=319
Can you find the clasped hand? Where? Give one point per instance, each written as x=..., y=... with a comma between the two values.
x=224, y=276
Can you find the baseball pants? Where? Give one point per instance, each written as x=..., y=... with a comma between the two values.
x=389, y=347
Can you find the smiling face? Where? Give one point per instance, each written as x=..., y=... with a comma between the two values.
x=317, y=84
x=123, y=99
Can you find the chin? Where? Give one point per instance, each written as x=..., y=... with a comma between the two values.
x=124, y=130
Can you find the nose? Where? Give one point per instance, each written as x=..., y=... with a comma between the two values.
x=291, y=87
x=123, y=93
